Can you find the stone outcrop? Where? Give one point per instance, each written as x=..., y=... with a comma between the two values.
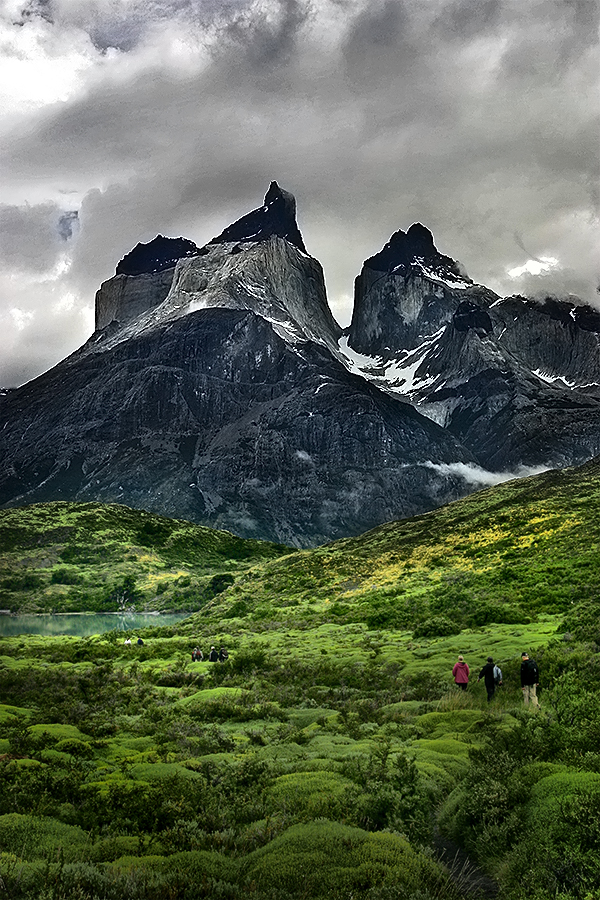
x=156, y=256
x=406, y=292
x=142, y=280
x=123, y=298
x=144, y=277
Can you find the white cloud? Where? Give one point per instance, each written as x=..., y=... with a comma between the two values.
x=534, y=267
x=475, y=475
x=21, y=318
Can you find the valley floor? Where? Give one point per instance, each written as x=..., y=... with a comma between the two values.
x=313, y=763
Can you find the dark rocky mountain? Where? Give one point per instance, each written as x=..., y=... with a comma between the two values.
x=215, y=391
x=159, y=254
x=515, y=380
x=217, y=387
x=275, y=218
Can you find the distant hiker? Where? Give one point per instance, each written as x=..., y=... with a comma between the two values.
x=127, y=642
x=140, y=642
x=213, y=656
x=197, y=655
x=530, y=680
x=497, y=676
x=223, y=654
x=460, y=673
x=487, y=673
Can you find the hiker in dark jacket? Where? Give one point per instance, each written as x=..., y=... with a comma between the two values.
x=487, y=673
x=530, y=680
x=213, y=656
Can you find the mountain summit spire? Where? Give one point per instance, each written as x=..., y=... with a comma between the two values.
x=404, y=249
x=276, y=217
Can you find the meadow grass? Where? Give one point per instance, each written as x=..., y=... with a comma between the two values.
x=320, y=757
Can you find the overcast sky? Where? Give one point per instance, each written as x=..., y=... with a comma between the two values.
x=126, y=118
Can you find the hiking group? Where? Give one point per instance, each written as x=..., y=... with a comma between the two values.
x=127, y=642
x=214, y=655
x=492, y=677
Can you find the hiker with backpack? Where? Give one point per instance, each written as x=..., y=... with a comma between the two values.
x=460, y=673
x=492, y=676
x=530, y=680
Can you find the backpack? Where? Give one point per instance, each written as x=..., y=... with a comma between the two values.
x=532, y=666
x=497, y=675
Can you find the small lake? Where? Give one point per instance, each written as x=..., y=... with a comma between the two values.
x=85, y=624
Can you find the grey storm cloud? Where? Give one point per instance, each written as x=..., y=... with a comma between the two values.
x=478, y=118
x=31, y=236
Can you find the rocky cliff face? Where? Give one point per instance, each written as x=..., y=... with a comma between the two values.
x=226, y=403
x=516, y=381
x=142, y=280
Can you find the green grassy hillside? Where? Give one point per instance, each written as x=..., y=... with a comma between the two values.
x=501, y=555
x=68, y=557
x=331, y=756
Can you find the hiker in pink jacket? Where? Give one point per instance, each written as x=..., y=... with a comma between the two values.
x=461, y=673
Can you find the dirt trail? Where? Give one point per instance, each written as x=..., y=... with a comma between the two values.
x=468, y=877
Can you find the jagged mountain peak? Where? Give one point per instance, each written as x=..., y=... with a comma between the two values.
x=414, y=247
x=157, y=255
x=275, y=218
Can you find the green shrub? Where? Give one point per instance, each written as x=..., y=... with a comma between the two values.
x=27, y=581
x=65, y=576
x=309, y=795
x=436, y=626
x=39, y=837
x=325, y=859
x=75, y=747
x=560, y=852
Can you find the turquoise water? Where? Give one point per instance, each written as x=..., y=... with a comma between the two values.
x=84, y=624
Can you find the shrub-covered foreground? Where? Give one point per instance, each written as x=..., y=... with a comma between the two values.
x=331, y=755
x=311, y=764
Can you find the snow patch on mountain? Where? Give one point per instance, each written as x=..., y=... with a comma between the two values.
x=399, y=375
x=560, y=379
x=449, y=279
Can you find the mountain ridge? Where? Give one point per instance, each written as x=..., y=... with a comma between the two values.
x=219, y=387
x=516, y=380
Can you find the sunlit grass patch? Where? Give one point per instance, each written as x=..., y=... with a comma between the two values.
x=40, y=837
x=454, y=764
x=312, y=794
x=58, y=732
x=460, y=720
x=210, y=695
x=149, y=772
x=304, y=717
x=8, y=712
